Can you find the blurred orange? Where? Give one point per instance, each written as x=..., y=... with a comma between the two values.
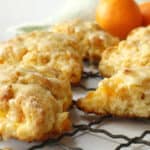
x=145, y=10
x=118, y=17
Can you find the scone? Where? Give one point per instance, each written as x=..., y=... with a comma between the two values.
x=126, y=94
x=31, y=108
x=67, y=61
x=91, y=38
x=139, y=33
x=48, y=49
x=133, y=52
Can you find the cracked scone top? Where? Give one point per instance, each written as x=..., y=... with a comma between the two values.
x=31, y=108
x=91, y=38
x=126, y=94
x=132, y=52
x=40, y=48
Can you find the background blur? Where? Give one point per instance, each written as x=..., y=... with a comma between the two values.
x=16, y=12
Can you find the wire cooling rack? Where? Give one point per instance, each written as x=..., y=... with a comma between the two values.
x=91, y=127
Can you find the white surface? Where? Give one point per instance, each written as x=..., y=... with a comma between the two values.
x=16, y=12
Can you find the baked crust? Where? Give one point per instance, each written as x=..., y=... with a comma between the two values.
x=126, y=94
x=91, y=38
x=132, y=52
x=31, y=108
x=139, y=34
x=39, y=48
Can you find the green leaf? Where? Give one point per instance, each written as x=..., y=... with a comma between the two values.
x=31, y=28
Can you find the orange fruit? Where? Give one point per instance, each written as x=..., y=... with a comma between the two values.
x=145, y=10
x=118, y=17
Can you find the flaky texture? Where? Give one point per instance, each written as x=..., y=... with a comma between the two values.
x=67, y=61
x=91, y=38
x=133, y=52
x=126, y=94
x=32, y=106
x=52, y=50
x=139, y=33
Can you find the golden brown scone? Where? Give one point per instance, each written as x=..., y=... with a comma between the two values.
x=55, y=50
x=90, y=37
x=133, y=52
x=31, y=108
x=67, y=61
x=126, y=94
